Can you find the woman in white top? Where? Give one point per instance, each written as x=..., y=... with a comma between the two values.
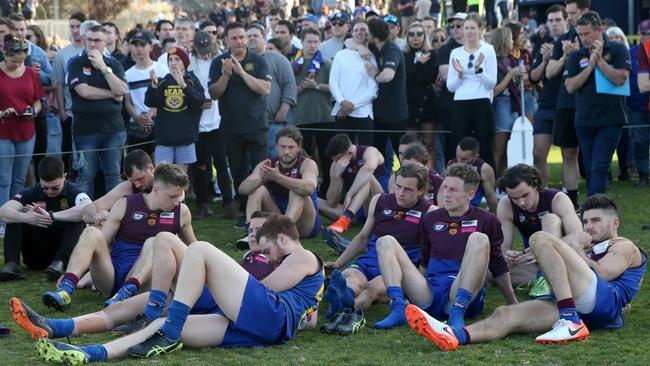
x=472, y=78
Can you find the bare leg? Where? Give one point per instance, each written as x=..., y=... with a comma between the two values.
x=552, y=224
x=398, y=270
x=541, y=147
x=372, y=291
x=474, y=265
x=91, y=252
x=141, y=269
x=570, y=170
x=331, y=213
x=523, y=273
x=533, y=316
x=500, y=152
x=258, y=200
x=360, y=198
x=115, y=314
x=226, y=279
x=568, y=275
x=168, y=255
x=301, y=210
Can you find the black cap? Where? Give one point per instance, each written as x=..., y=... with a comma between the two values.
x=141, y=36
x=342, y=16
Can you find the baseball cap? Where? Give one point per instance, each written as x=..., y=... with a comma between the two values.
x=203, y=43
x=341, y=16
x=391, y=19
x=457, y=16
x=644, y=26
x=310, y=17
x=141, y=36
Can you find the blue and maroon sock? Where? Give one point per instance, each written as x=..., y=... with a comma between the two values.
x=568, y=310
x=68, y=283
x=349, y=214
x=457, y=311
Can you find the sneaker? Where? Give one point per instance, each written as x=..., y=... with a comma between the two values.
x=12, y=271
x=541, y=289
x=242, y=243
x=54, y=270
x=59, y=300
x=155, y=345
x=341, y=225
x=335, y=241
x=331, y=325
x=29, y=320
x=140, y=322
x=241, y=224
x=564, y=331
x=436, y=331
x=125, y=292
x=352, y=322
x=58, y=352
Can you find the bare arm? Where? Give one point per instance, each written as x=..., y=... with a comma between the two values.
x=360, y=242
x=304, y=186
x=253, y=181
x=616, y=76
x=489, y=186
x=622, y=254
x=12, y=212
x=97, y=211
x=505, y=286
x=372, y=159
x=391, y=184
x=187, y=232
x=217, y=89
x=644, y=82
x=563, y=207
x=555, y=67
x=117, y=85
x=293, y=269
x=504, y=214
x=573, y=84
x=112, y=224
x=385, y=76
x=259, y=86
x=73, y=214
x=500, y=87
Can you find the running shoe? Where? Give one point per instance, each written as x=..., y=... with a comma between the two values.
x=436, y=331
x=352, y=322
x=330, y=326
x=29, y=320
x=341, y=225
x=58, y=352
x=243, y=243
x=140, y=322
x=335, y=241
x=59, y=300
x=541, y=289
x=155, y=345
x=564, y=331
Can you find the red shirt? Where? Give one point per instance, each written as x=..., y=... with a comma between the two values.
x=19, y=93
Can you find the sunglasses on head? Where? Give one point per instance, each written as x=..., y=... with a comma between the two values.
x=415, y=34
x=391, y=18
x=16, y=45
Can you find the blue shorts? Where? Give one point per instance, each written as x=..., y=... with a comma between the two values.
x=504, y=117
x=440, y=289
x=478, y=196
x=283, y=202
x=383, y=181
x=123, y=257
x=544, y=122
x=368, y=263
x=607, y=312
x=185, y=154
x=262, y=318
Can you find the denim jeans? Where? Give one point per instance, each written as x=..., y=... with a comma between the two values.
x=14, y=169
x=640, y=137
x=54, y=135
x=274, y=127
x=597, y=145
x=108, y=160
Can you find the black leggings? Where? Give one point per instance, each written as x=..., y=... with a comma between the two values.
x=475, y=118
x=40, y=143
x=211, y=149
x=41, y=246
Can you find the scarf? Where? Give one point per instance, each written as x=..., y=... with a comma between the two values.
x=314, y=66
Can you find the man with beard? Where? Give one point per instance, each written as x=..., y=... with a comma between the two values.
x=286, y=184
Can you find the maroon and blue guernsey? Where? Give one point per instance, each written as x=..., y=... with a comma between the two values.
x=275, y=189
x=445, y=239
x=400, y=222
x=140, y=223
x=529, y=223
x=355, y=165
x=478, y=196
x=435, y=182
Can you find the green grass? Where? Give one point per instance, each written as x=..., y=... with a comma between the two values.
x=627, y=346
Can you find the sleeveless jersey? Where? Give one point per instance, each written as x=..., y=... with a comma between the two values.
x=140, y=223
x=275, y=189
x=529, y=223
x=445, y=239
x=402, y=223
x=355, y=165
x=257, y=265
x=435, y=182
x=478, y=164
x=302, y=300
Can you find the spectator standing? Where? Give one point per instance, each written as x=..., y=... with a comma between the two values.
x=395, y=31
x=406, y=11
x=97, y=86
x=164, y=30
x=353, y=89
x=285, y=31
x=184, y=33
x=211, y=146
x=21, y=92
x=140, y=126
x=113, y=39
x=519, y=55
x=340, y=27
x=314, y=106
x=422, y=9
x=472, y=79
x=599, y=117
x=637, y=104
x=556, y=17
x=421, y=73
x=239, y=75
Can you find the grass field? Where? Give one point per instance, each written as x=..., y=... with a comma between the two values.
x=628, y=346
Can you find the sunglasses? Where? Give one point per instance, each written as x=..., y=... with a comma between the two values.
x=214, y=33
x=439, y=39
x=457, y=26
x=415, y=34
x=470, y=64
x=338, y=24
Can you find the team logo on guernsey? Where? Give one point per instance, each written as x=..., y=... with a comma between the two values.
x=64, y=204
x=469, y=226
x=87, y=71
x=429, y=196
x=294, y=173
x=453, y=231
x=389, y=212
x=413, y=216
x=440, y=226
x=522, y=218
x=584, y=62
x=152, y=219
x=249, y=67
x=166, y=218
x=138, y=216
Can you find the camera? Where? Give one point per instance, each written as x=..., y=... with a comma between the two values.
x=28, y=113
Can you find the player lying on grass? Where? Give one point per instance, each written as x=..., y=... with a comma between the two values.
x=593, y=278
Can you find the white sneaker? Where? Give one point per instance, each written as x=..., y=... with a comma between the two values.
x=564, y=331
x=432, y=329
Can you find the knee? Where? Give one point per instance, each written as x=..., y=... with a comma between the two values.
x=258, y=193
x=551, y=223
x=386, y=243
x=539, y=240
x=478, y=242
x=501, y=312
x=91, y=233
x=162, y=239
